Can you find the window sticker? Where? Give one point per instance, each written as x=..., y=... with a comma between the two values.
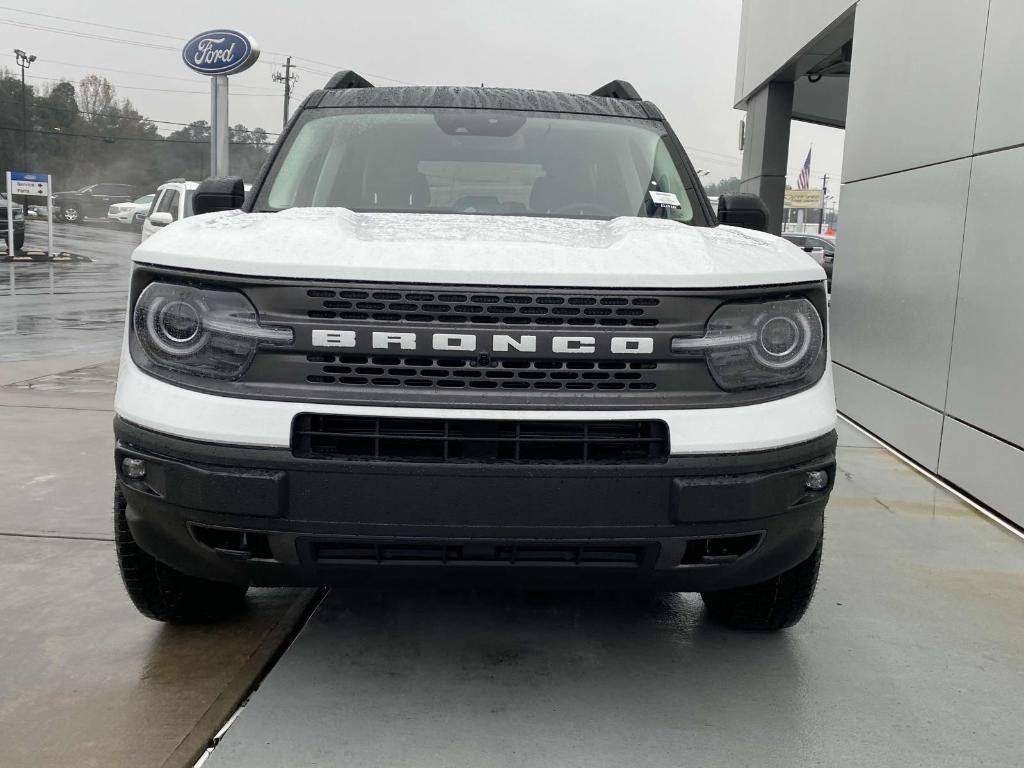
x=665, y=199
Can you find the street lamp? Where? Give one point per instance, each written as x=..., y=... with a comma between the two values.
x=24, y=61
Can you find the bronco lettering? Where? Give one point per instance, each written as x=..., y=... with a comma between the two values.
x=469, y=342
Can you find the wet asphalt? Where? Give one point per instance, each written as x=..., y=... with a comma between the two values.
x=67, y=308
x=86, y=681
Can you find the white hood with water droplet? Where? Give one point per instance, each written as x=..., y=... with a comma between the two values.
x=338, y=244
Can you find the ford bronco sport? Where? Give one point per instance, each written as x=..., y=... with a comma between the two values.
x=481, y=334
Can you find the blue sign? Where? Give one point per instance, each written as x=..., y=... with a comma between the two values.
x=220, y=52
x=22, y=176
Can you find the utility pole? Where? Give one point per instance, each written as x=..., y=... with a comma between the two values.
x=824, y=193
x=24, y=61
x=289, y=80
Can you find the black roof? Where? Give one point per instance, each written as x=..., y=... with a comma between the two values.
x=460, y=97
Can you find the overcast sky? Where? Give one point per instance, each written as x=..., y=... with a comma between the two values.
x=680, y=54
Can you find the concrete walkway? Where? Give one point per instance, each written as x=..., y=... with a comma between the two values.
x=911, y=655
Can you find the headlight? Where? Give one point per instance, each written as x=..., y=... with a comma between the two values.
x=200, y=331
x=758, y=345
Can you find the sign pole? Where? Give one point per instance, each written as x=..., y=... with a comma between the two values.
x=824, y=193
x=10, y=217
x=220, y=129
x=217, y=54
x=49, y=216
x=10, y=235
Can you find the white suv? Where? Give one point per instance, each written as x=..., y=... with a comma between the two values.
x=173, y=202
x=131, y=214
x=474, y=334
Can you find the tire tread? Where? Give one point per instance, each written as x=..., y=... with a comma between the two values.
x=163, y=593
x=775, y=604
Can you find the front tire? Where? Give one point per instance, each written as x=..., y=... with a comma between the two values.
x=163, y=593
x=774, y=604
x=72, y=214
x=19, y=241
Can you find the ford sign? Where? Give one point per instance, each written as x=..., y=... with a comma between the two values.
x=220, y=52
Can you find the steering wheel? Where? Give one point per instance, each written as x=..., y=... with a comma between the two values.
x=601, y=210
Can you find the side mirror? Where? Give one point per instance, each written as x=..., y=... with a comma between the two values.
x=161, y=219
x=219, y=193
x=743, y=210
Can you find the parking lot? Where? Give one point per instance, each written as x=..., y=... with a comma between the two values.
x=910, y=654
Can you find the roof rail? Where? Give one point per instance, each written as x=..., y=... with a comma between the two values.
x=618, y=89
x=173, y=181
x=345, y=79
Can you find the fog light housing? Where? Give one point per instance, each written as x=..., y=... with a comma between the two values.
x=816, y=480
x=134, y=469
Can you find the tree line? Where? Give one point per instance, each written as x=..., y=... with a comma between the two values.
x=82, y=133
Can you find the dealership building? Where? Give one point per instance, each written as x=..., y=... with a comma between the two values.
x=928, y=279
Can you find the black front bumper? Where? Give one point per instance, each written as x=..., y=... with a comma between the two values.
x=264, y=517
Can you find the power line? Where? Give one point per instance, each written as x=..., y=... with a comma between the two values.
x=134, y=72
x=115, y=139
x=86, y=35
x=148, y=88
x=139, y=119
x=90, y=23
x=333, y=67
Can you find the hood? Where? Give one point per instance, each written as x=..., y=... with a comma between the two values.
x=338, y=244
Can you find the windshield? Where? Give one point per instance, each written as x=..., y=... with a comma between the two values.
x=144, y=200
x=480, y=161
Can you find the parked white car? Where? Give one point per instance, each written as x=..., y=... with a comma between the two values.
x=131, y=214
x=173, y=202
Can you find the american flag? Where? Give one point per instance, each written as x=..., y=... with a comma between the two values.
x=804, y=182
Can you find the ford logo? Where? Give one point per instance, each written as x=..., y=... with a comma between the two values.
x=220, y=52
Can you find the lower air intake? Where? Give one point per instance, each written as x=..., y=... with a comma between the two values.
x=521, y=554
x=358, y=438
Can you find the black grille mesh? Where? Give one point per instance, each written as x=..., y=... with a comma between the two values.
x=454, y=553
x=459, y=373
x=484, y=308
x=370, y=438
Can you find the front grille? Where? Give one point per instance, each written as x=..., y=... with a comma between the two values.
x=460, y=373
x=367, y=438
x=512, y=350
x=484, y=308
x=454, y=553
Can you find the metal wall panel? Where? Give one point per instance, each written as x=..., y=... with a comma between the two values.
x=988, y=346
x=1001, y=107
x=914, y=85
x=772, y=33
x=987, y=468
x=908, y=426
x=895, y=278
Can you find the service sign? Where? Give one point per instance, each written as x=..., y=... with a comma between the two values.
x=803, y=198
x=34, y=184
x=220, y=52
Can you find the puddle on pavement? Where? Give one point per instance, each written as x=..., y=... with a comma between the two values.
x=91, y=379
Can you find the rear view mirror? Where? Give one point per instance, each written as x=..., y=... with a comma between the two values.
x=219, y=193
x=743, y=210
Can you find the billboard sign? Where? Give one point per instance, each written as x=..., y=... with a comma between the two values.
x=804, y=198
